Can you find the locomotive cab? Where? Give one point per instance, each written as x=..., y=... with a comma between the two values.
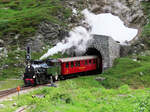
x=54, y=68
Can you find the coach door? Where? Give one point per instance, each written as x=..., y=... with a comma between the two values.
x=72, y=67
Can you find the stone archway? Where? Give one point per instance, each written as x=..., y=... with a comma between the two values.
x=106, y=48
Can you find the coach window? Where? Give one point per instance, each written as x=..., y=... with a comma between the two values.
x=67, y=65
x=86, y=62
x=72, y=64
x=90, y=61
x=94, y=61
x=78, y=63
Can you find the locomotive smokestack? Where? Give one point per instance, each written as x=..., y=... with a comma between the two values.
x=28, y=54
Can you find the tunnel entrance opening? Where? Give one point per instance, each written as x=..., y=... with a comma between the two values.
x=93, y=51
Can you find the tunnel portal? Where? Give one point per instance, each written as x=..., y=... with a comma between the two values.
x=105, y=48
x=93, y=51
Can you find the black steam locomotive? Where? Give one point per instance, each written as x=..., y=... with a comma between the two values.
x=49, y=70
x=40, y=71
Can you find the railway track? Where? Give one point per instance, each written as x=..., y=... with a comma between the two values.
x=14, y=90
x=11, y=91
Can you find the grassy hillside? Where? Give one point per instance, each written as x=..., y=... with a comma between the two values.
x=146, y=30
x=126, y=85
x=82, y=94
x=126, y=88
x=23, y=16
x=134, y=71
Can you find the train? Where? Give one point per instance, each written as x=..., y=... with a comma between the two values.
x=49, y=70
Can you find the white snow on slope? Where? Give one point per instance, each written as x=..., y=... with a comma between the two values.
x=110, y=25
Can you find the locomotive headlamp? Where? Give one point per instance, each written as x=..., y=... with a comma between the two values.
x=34, y=77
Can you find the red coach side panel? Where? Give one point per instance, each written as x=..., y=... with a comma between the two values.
x=78, y=64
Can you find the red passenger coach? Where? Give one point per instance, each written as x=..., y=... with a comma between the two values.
x=79, y=64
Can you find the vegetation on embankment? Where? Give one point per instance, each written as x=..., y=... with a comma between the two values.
x=117, y=93
x=23, y=16
x=146, y=29
x=10, y=83
x=13, y=65
x=133, y=71
x=83, y=94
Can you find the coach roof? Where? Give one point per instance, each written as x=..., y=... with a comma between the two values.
x=77, y=58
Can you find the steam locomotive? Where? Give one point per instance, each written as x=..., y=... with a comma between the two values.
x=49, y=70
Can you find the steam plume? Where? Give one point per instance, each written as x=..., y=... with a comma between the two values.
x=101, y=24
x=78, y=37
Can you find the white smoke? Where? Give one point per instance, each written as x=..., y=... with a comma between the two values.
x=78, y=38
x=101, y=24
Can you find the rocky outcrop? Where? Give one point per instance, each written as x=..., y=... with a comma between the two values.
x=36, y=42
x=128, y=10
x=48, y=33
x=3, y=52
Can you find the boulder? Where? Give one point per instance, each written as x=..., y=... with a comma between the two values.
x=2, y=106
x=1, y=43
x=38, y=96
x=100, y=79
x=14, y=104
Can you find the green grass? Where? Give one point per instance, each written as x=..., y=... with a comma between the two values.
x=12, y=65
x=125, y=89
x=23, y=16
x=127, y=71
x=10, y=83
x=82, y=94
x=146, y=31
